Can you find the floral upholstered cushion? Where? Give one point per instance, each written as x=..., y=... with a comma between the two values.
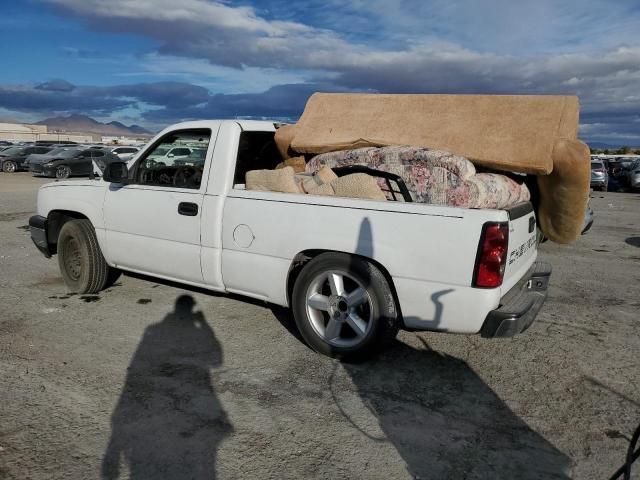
x=432, y=176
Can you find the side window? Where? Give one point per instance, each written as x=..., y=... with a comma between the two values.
x=97, y=153
x=168, y=162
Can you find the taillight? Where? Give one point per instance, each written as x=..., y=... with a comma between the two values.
x=492, y=255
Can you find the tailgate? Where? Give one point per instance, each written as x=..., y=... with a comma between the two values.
x=523, y=247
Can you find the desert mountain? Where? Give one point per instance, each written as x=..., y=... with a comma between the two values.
x=82, y=123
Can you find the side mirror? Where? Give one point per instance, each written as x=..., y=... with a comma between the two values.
x=116, y=172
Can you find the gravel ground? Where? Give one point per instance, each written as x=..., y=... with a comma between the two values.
x=150, y=380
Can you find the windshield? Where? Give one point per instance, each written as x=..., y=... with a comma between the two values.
x=596, y=165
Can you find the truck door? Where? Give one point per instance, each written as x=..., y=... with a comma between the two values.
x=153, y=223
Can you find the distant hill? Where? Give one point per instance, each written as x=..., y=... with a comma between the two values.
x=610, y=146
x=82, y=123
x=602, y=145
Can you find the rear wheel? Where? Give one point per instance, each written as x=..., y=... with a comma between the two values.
x=63, y=172
x=344, y=307
x=81, y=262
x=9, y=166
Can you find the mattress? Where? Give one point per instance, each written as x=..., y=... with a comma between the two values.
x=432, y=176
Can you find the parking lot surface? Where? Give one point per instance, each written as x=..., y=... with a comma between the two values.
x=151, y=380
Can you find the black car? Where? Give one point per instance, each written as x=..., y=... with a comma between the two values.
x=73, y=161
x=12, y=159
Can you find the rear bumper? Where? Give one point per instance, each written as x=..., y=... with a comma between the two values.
x=520, y=306
x=38, y=226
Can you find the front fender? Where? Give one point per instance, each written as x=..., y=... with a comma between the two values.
x=81, y=199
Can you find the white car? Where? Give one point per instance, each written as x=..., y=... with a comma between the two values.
x=168, y=156
x=123, y=152
x=352, y=271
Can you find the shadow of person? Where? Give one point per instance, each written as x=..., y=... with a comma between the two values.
x=634, y=241
x=168, y=422
x=444, y=420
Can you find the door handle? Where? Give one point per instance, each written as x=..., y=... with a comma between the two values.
x=187, y=208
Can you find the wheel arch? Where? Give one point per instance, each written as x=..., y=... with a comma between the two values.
x=305, y=256
x=55, y=220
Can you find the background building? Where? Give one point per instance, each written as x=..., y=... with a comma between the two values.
x=23, y=132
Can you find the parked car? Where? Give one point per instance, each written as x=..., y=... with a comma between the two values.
x=630, y=176
x=354, y=272
x=168, y=156
x=196, y=157
x=71, y=162
x=5, y=143
x=36, y=158
x=55, y=142
x=12, y=159
x=123, y=152
x=599, y=175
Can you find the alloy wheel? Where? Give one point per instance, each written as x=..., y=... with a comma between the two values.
x=339, y=308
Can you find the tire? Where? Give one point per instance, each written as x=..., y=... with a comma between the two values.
x=81, y=262
x=9, y=167
x=62, y=172
x=350, y=319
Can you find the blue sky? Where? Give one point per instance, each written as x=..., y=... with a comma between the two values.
x=154, y=62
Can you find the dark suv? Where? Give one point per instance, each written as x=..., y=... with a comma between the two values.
x=12, y=159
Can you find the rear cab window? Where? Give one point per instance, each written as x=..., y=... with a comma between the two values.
x=256, y=151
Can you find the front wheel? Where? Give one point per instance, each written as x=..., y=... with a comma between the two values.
x=63, y=172
x=81, y=262
x=9, y=166
x=344, y=307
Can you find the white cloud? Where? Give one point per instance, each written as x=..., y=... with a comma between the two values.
x=499, y=46
x=217, y=78
x=214, y=14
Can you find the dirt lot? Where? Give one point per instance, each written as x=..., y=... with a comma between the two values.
x=132, y=383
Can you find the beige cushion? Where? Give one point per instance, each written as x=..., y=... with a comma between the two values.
x=325, y=189
x=297, y=163
x=281, y=180
x=358, y=185
x=310, y=181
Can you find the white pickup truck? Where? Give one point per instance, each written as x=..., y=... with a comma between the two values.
x=352, y=271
